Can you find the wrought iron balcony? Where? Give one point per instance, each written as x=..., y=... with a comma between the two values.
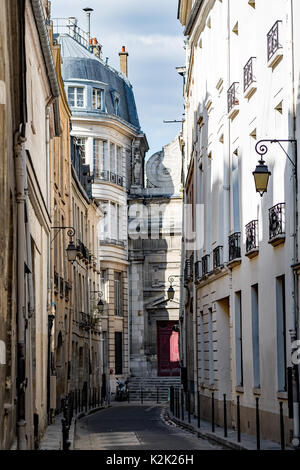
x=233, y=100
x=61, y=286
x=252, y=239
x=55, y=282
x=249, y=78
x=234, y=246
x=106, y=175
x=198, y=271
x=205, y=265
x=277, y=224
x=274, y=40
x=188, y=269
x=67, y=290
x=84, y=320
x=218, y=257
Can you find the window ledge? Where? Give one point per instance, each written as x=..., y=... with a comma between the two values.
x=252, y=253
x=282, y=395
x=235, y=262
x=279, y=240
x=239, y=389
x=276, y=59
x=256, y=391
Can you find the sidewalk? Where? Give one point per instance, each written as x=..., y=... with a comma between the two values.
x=247, y=442
x=52, y=439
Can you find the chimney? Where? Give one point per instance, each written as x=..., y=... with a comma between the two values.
x=124, y=61
x=95, y=47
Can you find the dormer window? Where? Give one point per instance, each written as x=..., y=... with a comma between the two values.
x=117, y=106
x=98, y=99
x=76, y=97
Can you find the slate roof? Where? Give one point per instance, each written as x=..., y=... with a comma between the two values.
x=79, y=63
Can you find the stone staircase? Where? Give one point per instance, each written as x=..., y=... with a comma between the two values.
x=150, y=386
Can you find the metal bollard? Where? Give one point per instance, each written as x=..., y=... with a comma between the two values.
x=198, y=409
x=225, y=416
x=182, y=405
x=128, y=396
x=282, y=427
x=238, y=420
x=178, y=403
x=212, y=412
x=257, y=425
x=157, y=395
x=189, y=406
x=142, y=398
x=172, y=399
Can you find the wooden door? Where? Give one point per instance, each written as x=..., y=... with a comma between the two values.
x=167, y=350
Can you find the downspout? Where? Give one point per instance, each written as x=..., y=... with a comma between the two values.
x=294, y=245
x=20, y=162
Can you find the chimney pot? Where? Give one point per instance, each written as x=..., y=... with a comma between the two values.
x=124, y=61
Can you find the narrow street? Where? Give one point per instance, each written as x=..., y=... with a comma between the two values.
x=134, y=427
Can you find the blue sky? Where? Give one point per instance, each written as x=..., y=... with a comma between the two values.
x=154, y=40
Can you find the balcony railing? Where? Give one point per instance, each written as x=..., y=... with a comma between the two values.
x=84, y=320
x=55, y=282
x=218, y=257
x=232, y=97
x=61, y=286
x=277, y=221
x=234, y=246
x=106, y=175
x=67, y=291
x=249, y=78
x=273, y=40
x=83, y=251
x=205, y=265
x=188, y=269
x=252, y=236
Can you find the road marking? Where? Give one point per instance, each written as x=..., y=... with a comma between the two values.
x=105, y=441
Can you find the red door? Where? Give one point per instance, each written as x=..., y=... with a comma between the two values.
x=167, y=349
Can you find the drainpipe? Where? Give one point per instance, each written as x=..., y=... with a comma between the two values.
x=293, y=278
x=20, y=162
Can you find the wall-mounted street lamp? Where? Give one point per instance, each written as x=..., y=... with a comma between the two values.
x=262, y=173
x=171, y=291
x=100, y=304
x=71, y=249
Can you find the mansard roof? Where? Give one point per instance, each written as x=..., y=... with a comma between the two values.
x=79, y=63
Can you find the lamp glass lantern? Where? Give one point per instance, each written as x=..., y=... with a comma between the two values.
x=171, y=293
x=71, y=251
x=261, y=177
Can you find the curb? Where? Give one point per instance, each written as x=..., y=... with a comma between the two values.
x=205, y=435
x=80, y=415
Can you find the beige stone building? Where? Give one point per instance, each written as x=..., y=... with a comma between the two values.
x=240, y=295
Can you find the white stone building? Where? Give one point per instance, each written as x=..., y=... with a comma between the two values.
x=105, y=123
x=241, y=290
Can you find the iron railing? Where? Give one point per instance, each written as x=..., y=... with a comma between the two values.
x=67, y=291
x=273, y=40
x=218, y=257
x=55, y=282
x=106, y=175
x=85, y=320
x=277, y=220
x=252, y=236
x=249, y=73
x=205, y=265
x=232, y=97
x=234, y=246
x=61, y=286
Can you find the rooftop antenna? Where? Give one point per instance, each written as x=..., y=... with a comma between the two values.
x=88, y=22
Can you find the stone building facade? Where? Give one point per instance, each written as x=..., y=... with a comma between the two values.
x=240, y=293
x=105, y=123
x=155, y=233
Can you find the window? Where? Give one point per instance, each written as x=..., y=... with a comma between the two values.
x=97, y=99
x=238, y=340
x=81, y=142
x=118, y=294
x=236, y=191
x=76, y=97
x=202, y=357
x=211, y=347
x=117, y=106
x=101, y=163
x=281, y=333
x=103, y=283
x=255, y=336
x=118, y=353
x=112, y=158
x=119, y=161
